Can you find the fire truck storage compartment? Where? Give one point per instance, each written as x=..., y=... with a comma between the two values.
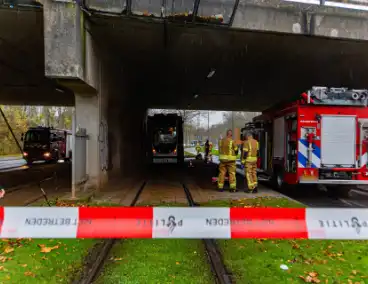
x=279, y=138
x=338, y=141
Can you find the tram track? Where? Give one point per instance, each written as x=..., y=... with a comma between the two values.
x=218, y=267
x=98, y=255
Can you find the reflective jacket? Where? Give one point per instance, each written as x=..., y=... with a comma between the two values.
x=250, y=151
x=227, y=149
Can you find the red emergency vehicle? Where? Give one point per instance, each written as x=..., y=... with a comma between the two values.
x=46, y=144
x=319, y=139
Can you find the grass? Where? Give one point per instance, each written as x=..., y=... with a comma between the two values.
x=11, y=156
x=189, y=154
x=43, y=260
x=313, y=261
x=157, y=261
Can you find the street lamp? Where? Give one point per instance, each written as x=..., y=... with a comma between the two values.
x=232, y=120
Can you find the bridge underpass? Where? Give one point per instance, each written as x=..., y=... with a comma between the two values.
x=114, y=68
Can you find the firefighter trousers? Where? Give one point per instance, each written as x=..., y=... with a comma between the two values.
x=251, y=174
x=230, y=167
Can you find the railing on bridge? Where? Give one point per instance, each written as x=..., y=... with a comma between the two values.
x=204, y=11
x=361, y=5
x=217, y=12
x=20, y=3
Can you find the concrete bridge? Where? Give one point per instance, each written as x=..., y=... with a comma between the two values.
x=113, y=61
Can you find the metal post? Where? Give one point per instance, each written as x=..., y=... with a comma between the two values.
x=11, y=130
x=73, y=153
x=208, y=126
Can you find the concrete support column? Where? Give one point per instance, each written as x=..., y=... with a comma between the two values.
x=88, y=116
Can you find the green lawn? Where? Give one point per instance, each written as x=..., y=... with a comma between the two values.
x=157, y=261
x=40, y=260
x=189, y=154
x=43, y=260
x=313, y=261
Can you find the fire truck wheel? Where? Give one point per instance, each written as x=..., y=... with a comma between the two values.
x=278, y=179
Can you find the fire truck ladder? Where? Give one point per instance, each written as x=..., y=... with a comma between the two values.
x=11, y=130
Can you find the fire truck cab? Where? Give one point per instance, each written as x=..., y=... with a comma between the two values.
x=320, y=139
x=46, y=144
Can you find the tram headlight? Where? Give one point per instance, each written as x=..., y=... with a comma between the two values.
x=25, y=154
x=47, y=154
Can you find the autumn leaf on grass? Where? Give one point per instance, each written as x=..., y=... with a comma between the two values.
x=29, y=273
x=3, y=258
x=310, y=278
x=46, y=249
x=8, y=250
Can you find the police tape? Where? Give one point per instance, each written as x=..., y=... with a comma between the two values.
x=183, y=222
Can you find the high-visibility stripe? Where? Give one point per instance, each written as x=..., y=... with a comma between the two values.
x=194, y=223
x=227, y=157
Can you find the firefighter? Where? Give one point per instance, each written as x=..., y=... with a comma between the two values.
x=206, y=151
x=198, y=148
x=249, y=159
x=210, y=150
x=227, y=154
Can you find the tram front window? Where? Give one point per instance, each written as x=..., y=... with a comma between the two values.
x=164, y=140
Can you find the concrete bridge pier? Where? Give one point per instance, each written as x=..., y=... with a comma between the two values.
x=74, y=59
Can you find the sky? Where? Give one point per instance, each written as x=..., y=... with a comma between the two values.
x=215, y=118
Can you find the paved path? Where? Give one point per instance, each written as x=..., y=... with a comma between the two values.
x=9, y=162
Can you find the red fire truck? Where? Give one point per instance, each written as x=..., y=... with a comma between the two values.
x=319, y=139
x=46, y=144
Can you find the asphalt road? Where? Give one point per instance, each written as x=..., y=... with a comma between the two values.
x=7, y=163
x=34, y=174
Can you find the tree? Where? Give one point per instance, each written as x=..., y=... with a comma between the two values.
x=21, y=118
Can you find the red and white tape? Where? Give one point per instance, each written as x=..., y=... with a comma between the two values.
x=179, y=222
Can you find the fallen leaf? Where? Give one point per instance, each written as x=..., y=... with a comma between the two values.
x=296, y=246
x=1, y=268
x=313, y=274
x=350, y=282
x=29, y=273
x=354, y=272
x=3, y=258
x=177, y=262
x=24, y=265
x=46, y=249
x=8, y=250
